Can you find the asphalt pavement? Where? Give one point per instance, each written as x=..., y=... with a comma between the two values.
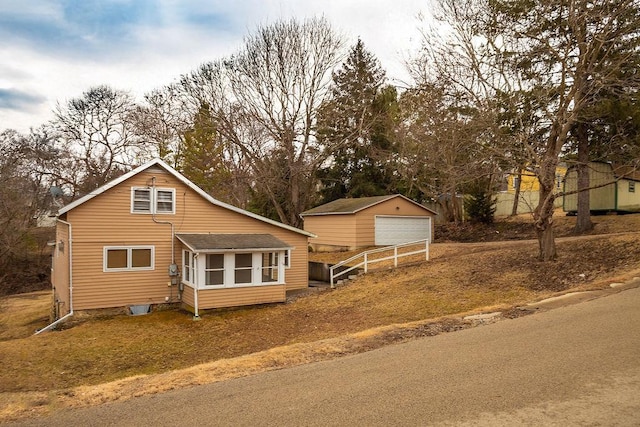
x=575, y=364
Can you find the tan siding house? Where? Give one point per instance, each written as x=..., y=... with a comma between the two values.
x=612, y=189
x=347, y=224
x=121, y=246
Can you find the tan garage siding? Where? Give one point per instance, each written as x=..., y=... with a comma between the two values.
x=60, y=270
x=231, y=297
x=336, y=230
x=106, y=220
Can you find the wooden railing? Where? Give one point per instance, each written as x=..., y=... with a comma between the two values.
x=367, y=260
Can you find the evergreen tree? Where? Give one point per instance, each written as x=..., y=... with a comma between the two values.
x=202, y=158
x=355, y=125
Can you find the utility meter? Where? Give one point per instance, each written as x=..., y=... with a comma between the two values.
x=173, y=270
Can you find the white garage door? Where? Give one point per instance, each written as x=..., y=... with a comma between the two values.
x=392, y=230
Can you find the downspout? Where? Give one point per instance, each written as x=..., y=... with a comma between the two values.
x=196, y=316
x=66, y=316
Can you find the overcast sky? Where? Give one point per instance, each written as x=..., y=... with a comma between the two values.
x=54, y=50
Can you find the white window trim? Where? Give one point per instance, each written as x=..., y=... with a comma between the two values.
x=198, y=275
x=193, y=266
x=154, y=201
x=129, y=251
x=173, y=201
x=277, y=264
x=251, y=269
x=133, y=195
x=286, y=258
x=224, y=271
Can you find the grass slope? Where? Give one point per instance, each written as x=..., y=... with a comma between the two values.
x=460, y=278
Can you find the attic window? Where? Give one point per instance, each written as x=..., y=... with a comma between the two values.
x=141, y=200
x=153, y=200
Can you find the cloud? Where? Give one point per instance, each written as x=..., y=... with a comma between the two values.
x=13, y=99
x=59, y=48
x=75, y=28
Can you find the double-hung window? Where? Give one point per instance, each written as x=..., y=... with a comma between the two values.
x=153, y=200
x=243, y=268
x=188, y=267
x=270, y=267
x=214, y=270
x=128, y=258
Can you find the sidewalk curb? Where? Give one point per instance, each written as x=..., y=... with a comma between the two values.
x=571, y=298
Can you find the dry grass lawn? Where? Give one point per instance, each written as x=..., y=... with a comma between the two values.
x=103, y=358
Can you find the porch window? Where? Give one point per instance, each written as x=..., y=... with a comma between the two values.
x=128, y=258
x=188, y=266
x=243, y=267
x=270, y=267
x=233, y=260
x=287, y=258
x=214, y=270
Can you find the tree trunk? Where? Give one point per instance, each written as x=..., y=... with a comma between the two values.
x=516, y=196
x=543, y=214
x=546, y=243
x=583, y=220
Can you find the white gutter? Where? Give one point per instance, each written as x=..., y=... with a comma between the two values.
x=65, y=317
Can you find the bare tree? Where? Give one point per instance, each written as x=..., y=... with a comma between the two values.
x=264, y=100
x=161, y=122
x=567, y=51
x=24, y=263
x=558, y=53
x=97, y=131
x=443, y=145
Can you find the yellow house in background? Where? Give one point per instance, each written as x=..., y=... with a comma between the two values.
x=529, y=180
x=529, y=191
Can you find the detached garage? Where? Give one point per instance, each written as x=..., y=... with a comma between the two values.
x=347, y=224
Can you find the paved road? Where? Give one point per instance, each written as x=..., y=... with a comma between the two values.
x=575, y=365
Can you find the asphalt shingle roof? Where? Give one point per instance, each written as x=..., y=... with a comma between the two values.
x=208, y=242
x=347, y=206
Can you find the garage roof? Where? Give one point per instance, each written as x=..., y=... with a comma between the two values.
x=351, y=206
x=231, y=242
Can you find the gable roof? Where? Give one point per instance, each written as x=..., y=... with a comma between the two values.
x=225, y=242
x=352, y=206
x=626, y=171
x=619, y=171
x=184, y=180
